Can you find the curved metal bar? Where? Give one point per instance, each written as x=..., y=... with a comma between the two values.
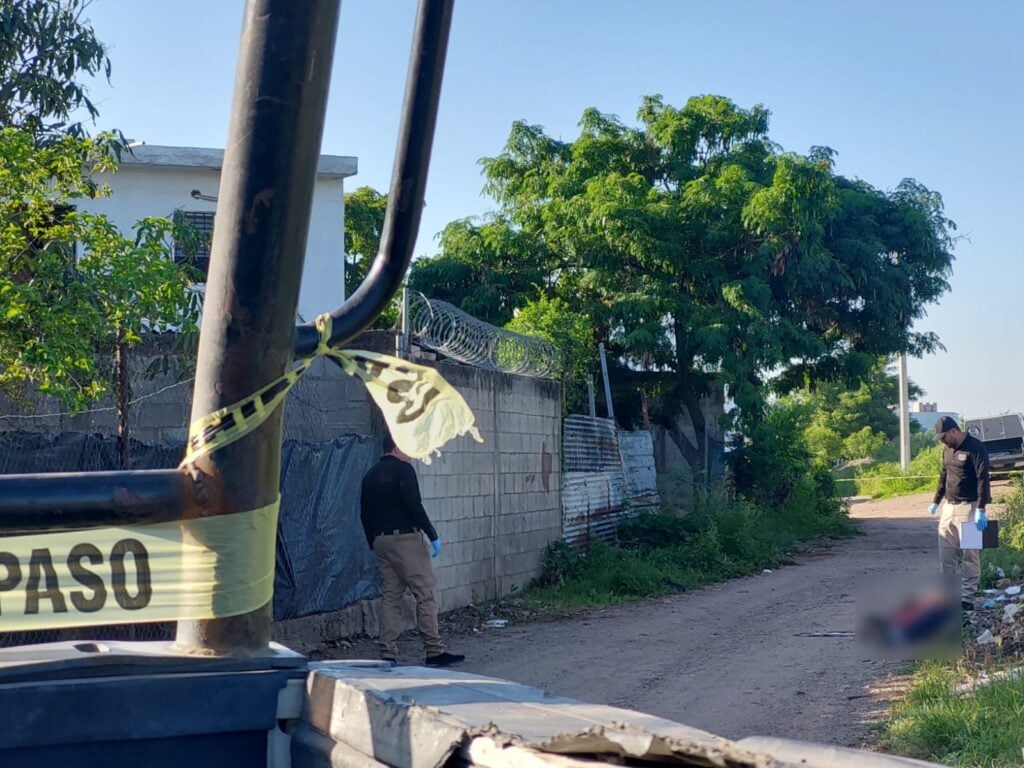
x=405, y=198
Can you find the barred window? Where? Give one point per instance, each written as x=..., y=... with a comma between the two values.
x=196, y=253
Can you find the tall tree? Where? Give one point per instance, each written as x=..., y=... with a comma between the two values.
x=706, y=258
x=46, y=47
x=364, y=224
x=75, y=293
x=488, y=268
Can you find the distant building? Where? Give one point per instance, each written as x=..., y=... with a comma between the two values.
x=157, y=181
x=926, y=414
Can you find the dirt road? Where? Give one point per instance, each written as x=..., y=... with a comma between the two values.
x=735, y=658
x=730, y=658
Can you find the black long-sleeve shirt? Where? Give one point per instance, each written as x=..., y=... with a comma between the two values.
x=965, y=476
x=390, y=500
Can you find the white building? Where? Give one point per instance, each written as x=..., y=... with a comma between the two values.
x=157, y=181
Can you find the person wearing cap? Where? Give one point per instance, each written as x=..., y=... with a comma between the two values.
x=964, y=493
x=395, y=524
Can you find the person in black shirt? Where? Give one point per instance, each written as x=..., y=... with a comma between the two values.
x=964, y=484
x=395, y=523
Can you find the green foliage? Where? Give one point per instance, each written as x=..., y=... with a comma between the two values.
x=934, y=723
x=923, y=475
x=852, y=419
x=824, y=443
x=726, y=535
x=659, y=554
x=919, y=441
x=702, y=255
x=364, y=225
x=489, y=269
x=1009, y=556
x=46, y=49
x=773, y=456
x=650, y=531
x=64, y=315
x=365, y=209
x=572, y=335
x=863, y=444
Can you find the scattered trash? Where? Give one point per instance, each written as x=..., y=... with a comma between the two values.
x=997, y=571
x=1010, y=611
x=989, y=604
x=767, y=570
x=1001, y=599
x=991, y=591
x=986, y=638
x=1014, y=590
x=496, y=623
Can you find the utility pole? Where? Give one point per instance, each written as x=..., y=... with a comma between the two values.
x=607, y=383
x=402, y=342
x=904, y=415
x=591, y=399
x=252, y=292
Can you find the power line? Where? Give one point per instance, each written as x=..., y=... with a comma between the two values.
x=105, y=409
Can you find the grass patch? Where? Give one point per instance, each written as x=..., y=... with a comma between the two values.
x=885, y=479
x=659, y=554
x=985, y=728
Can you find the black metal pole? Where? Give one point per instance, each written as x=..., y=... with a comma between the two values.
x=408, y=182
x=259, y=243
x=61, y=501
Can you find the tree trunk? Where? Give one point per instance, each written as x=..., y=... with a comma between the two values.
x=122, y=398
x=693, y=452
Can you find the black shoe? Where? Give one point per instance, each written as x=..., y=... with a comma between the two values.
x=389, y=660
x=445, y=660
x=966, y=605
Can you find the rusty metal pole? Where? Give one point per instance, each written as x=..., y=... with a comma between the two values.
x=259, y=242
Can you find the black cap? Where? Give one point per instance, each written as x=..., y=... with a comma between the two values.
x=943, y=425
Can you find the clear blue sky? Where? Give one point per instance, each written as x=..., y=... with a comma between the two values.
x=923, y=88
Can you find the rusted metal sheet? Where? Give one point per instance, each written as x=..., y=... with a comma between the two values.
x=637, y=449
x=608, y=475
x=592, y=504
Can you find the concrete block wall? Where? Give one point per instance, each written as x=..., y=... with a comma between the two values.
x=496, y=505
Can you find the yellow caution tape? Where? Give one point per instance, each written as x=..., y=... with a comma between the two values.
x=865, y=478
x=208, y=567
x=422, y=410
x=189, y=569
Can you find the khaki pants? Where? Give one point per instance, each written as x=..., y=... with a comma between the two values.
x=404, y=561
x=951, y=557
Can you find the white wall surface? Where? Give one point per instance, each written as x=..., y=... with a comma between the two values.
x=140, y=190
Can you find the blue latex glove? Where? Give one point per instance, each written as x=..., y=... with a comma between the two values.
x=435, y=547
x=933, y=509
x=980, y=520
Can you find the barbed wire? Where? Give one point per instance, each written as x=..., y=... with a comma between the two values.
x=445, y=328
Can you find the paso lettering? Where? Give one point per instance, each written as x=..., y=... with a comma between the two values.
x=83, y=582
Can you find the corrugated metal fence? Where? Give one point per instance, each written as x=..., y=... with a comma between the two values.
x=606, y=476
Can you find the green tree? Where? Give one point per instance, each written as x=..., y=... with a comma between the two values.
x=489, y=269
x=75, y=293
x=863, y=444
x=46, y=47
x=853, y=418
x=570, y=332
x=364, y=224
x=706, y=258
